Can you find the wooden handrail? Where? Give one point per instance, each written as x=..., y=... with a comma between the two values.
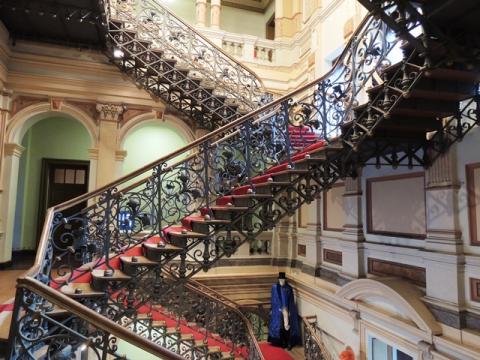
x=318, y=339
x=228, y=304
x=94, y=318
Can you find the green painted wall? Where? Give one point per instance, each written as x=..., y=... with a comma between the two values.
x=242, y=21
x=184, y=9
x=56, y=138
x=149, y=142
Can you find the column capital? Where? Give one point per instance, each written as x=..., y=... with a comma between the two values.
x=120, y=155
x=443, y=171
x=12, y=149
x=93, y=154
x=109, y=112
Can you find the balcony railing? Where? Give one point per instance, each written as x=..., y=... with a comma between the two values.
x=155, y=23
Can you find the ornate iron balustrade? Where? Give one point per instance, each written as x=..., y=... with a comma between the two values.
x=259, y=316
x=312, y=341
x=46, y=324
x=126, y=213
x=155, y=24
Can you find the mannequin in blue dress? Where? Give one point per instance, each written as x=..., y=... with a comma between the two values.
x=283, y=329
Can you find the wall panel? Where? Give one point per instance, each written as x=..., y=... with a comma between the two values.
x=396, y=205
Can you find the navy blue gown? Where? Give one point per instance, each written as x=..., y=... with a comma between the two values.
x=282, y=296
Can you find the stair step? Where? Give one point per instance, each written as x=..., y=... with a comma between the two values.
x=200, y=344
x=185, y=234
x=166, y=248
x=214, y=350
x=159, y=323
x=453, y=74
x=138, y=261
x=146, y=316
x=80, y=290
x=116, y=275
x=226, y=355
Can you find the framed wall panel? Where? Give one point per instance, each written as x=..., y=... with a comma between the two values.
x=473, y=196
x=333, y=210
x=396, y=205
x=333, y=256
x=475, y=289
x=301, y=250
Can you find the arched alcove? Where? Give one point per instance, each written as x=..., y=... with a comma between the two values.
x=146, y=140
x=57, y=138
x=392, y=295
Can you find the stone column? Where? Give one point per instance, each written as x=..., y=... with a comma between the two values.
x=201, y=12
x=444, y=259
x=352, y=246
x=285, y=241
x=215, y=6
x=107, y=145
x=12, y=154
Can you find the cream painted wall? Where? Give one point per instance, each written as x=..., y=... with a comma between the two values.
x=55, y=138
x=242, y=21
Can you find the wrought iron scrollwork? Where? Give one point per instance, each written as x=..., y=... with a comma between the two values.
x=189, y=182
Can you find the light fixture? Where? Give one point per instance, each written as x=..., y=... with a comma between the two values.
x=118, y=53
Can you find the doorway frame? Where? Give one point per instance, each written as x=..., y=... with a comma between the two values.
x=44, y=186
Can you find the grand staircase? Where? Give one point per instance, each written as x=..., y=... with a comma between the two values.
x=397, y=96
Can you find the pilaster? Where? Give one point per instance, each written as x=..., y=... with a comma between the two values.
x=311, y=235
x=285, y=243
x=5, y=107
x=444, y=261
x=353, y=236
x=12, y=154
x=108, y=119
x=120, y=156
x=443, y=229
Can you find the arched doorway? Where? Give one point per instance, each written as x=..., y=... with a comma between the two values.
x=33, y=134
x=53, y=168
